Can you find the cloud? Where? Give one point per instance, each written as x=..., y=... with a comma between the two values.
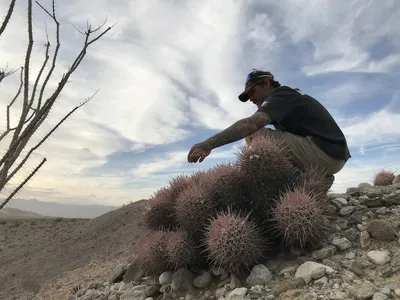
x=169, y=74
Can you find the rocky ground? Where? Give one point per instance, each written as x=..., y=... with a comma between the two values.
x=359, y=260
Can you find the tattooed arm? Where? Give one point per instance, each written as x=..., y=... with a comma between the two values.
x=237, y=131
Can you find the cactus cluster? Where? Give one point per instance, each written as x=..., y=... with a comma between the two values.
x=228, y=215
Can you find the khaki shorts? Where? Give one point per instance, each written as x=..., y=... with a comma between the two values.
x=305, y=153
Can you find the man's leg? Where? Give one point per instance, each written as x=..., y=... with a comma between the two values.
x=304, y=153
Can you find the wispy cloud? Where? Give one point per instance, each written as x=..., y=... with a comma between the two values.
x=169, y=74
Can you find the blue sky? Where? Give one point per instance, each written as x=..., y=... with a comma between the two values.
x=169, y=74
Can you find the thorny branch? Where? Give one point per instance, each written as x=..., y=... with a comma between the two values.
x=32, y=117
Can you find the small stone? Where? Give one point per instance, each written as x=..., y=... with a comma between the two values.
x=397, y=292
x=118, y=273
x=203, y=280
x=341, y=243
x=235, y=282
x=376, y=202
x=165, y=277
x=363, y=198
x=339, y=202
x=361, y=227
x=350, y=255
x=357, y=268
x=379, y=296
x=385, y=291
x=318, y=273
x=381, y=230
x=347, y=210
x=321, y=282
x=259, y=275
x=239, y=292
x=364, y=291
x=306, y=269
x=324, y=252
x=365, y=239
x=290, y=270
x=379, y=257
x=382, y=211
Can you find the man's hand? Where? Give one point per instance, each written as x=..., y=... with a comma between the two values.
x=199, y=152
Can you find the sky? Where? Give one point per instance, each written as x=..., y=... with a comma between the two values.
x=168, y=75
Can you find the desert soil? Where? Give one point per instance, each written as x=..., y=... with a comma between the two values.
x=47, y=258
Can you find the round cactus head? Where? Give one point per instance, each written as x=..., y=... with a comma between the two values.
x=159, y=212
x=314, y=180
x=198, y=201
x=299, y=219
x=150, y=250
x=266, y=167
x=233, y=242
x=181, y=250
x=384, y=177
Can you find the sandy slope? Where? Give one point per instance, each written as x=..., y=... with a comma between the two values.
x=38, y=252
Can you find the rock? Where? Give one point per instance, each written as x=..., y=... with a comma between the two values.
x=136, y=292
x=324, y=252
x=259, y=275
x=288, y=270
x=397, y=292
x=364, y=291
x=365, y=239
x=351, y=234
x=385, y=291
x=166, y=277
x=203, y=280
x=306, y=269
x=182, y=280
x=382, y=211
x=381, y=230
x=239, y=292
x=356, y=267
x=346, y=211
x=379, y=257
x=339, y=202
x=380, y=296
x=118, y=273
x=318, y=273
x=396, y=180
x=341, y=243
x=134, y=272
x=375, y=202
x=235, y=282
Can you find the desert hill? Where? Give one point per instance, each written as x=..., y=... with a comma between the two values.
x=14, y=213
x=64, y=210
x=35, y=252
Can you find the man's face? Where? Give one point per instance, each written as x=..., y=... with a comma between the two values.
x=258, y=93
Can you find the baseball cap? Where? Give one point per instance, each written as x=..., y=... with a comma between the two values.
x=252, y=79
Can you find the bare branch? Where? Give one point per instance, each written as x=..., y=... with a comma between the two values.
x=46, y=136
x=4, y=73
x=8, y=16
x=22, y=183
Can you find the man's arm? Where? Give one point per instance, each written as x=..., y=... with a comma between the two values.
x=239, y=130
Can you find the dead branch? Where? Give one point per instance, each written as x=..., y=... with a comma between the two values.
x=29, y=122
x=8, y=17
x=22, y=183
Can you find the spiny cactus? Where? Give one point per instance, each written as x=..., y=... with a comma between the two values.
x=384, y=177
x=266, y=168
x=299, y=219
x=314, y=181
x=233, y=242
x=199, y=201
x=150, y=250
x=159, y=212
x=181, y=250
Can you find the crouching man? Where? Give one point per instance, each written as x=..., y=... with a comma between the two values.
x=304, y=124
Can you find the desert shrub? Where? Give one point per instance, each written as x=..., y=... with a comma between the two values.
x=233, y=242
x=384, y=177
x=299, y=219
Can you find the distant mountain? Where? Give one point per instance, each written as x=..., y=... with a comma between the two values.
x=14, y=213
x=52, y=209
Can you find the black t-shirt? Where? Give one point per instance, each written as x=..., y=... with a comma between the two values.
x=303, y=115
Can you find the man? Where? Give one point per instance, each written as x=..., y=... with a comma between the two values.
x=314, y=138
